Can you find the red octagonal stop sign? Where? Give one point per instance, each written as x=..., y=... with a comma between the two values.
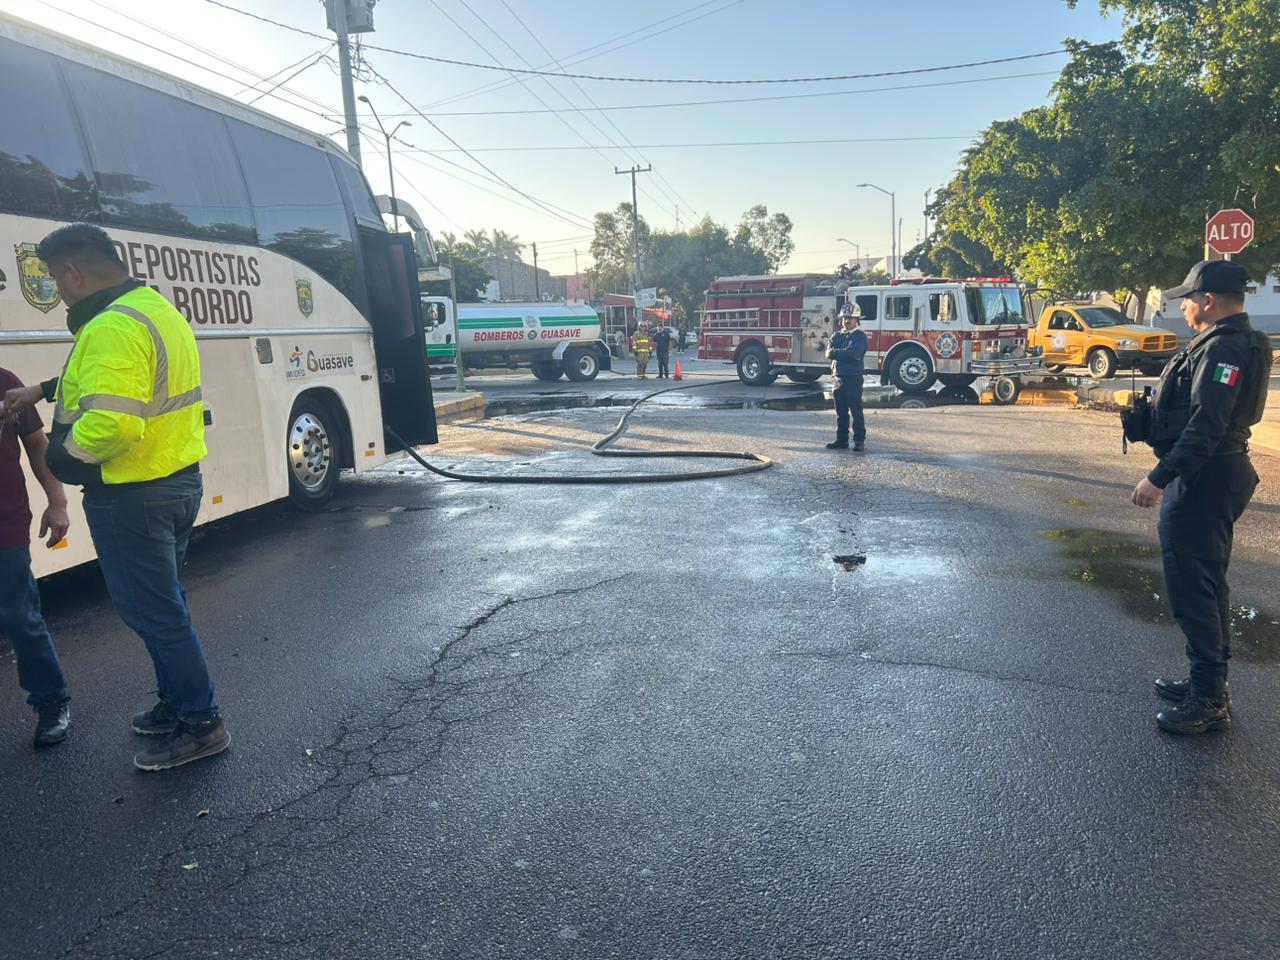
x=1229, y=231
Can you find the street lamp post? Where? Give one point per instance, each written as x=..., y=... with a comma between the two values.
x=391, y=173
x=857, y=250
x=893, y=229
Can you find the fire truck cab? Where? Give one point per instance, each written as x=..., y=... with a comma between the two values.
x=919, y=331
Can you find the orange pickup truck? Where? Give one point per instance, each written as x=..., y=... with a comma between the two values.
x=1099, y=338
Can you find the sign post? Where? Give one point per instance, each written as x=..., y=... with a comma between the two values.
x=1228, y=232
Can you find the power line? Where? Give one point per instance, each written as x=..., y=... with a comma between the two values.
x=674, y=195
x=578, y=221
x=726, y=143
x=720, y=102
x=673, y=80
x=606, y=47
x=319, y=58
x=524, y=83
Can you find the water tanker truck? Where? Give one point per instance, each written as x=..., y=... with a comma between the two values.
x=552, y=339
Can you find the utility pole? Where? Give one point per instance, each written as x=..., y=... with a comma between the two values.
x=677, y=218
x=926, y=214
x=635, y=231
x=337, y=11
x=458, y=373
x=537, y=288
x=577, y=277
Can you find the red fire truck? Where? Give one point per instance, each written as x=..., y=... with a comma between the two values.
x=919, y=331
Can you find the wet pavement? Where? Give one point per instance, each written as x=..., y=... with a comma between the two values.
x=885, y=705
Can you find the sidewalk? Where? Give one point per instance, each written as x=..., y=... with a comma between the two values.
x=1266, y=435
x=451, y=405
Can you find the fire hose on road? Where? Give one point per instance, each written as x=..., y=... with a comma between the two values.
x=755, y=461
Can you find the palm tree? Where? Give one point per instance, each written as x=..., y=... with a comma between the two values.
x=480, y=240
x=446, y=241
x=506, y=244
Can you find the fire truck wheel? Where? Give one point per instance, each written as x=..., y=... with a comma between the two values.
x=580, y=364
x=955, y=381
x=911, y=371
x=1102, y=363
x=1005, y=390
x=753, y=367
x=804, y=376
x=546, y=371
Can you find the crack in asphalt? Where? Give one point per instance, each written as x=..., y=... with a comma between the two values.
x=403, y=738
x=863, y=657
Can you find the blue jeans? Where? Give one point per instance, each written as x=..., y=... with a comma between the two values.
x=39, y=672
x=141, y=536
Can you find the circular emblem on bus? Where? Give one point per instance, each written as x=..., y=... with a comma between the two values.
x=34, y=279
x=947, y=345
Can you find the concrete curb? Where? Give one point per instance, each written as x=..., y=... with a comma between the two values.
x=451, y=407
x=1266, y=435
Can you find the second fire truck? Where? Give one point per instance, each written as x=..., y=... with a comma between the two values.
x=919, y=331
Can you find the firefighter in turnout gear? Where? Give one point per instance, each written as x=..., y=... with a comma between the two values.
x=1210, y=394
x=129, y=429
x=642, y=347
x=847, y=353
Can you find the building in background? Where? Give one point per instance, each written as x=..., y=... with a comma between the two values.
x=515, y=280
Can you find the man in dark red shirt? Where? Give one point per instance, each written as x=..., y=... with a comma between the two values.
x=39, y=672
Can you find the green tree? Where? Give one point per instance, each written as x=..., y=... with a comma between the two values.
x=611, y=248
x=467, y=262
x=771, y=235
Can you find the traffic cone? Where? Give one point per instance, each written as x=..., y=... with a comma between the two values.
x=679, y=375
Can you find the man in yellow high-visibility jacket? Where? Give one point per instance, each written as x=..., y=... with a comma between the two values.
x=129, y=428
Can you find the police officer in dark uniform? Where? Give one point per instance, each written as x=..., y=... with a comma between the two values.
x=1210, y=393
x=847, y=352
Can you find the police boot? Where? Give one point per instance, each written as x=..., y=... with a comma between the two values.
x=1175, y=691
x=838, y=445
x=1195, y=715
x=859, y=445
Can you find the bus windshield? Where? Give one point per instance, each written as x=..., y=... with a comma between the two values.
x=990, y=306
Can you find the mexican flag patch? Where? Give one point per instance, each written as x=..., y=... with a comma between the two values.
x=1226, y=373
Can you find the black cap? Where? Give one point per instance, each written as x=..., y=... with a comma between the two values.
x=1213, y=276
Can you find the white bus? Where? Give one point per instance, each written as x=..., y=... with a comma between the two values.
x=266, y=237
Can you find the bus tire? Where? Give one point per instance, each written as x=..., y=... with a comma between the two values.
x=1005, y=390
x=1102, y=363
x=581, y=364
x=804, y=376
x=955, y=381
x=547, y=370
x=911, y=372
x=313, y=444
x=753, y=367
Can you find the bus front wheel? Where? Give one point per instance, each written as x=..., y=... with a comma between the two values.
x=312, y=446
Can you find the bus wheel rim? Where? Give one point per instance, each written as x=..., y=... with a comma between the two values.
x=309, y=451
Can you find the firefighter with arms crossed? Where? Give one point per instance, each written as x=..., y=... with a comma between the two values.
x=128, y=427
x=847, y=353
x=1209, y=396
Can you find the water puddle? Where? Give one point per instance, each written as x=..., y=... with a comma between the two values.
x=1131, y=571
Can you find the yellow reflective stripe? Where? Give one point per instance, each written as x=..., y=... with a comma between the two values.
x=79, y=452
x=106, y=401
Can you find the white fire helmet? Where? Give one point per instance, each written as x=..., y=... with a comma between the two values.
x=851, y=310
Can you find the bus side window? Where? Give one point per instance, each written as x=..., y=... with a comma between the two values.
x=185, y=180
x=43, y=168
x=869, y=303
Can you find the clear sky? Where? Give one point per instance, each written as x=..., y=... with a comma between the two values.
x=813, y=183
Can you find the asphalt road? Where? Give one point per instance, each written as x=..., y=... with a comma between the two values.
x=662, y=721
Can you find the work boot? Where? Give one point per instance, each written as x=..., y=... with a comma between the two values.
x=189, y=742
x=157, y=721
x=1176, y=691
x=1195, y=715
x=838, y=445
x=53, y=722
x=859, y=445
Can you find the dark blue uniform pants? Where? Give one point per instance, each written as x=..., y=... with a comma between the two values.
x=663, y=360
x=848, y=398
x=1197, y=521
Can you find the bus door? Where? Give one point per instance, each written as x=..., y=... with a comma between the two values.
x=399, y=340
